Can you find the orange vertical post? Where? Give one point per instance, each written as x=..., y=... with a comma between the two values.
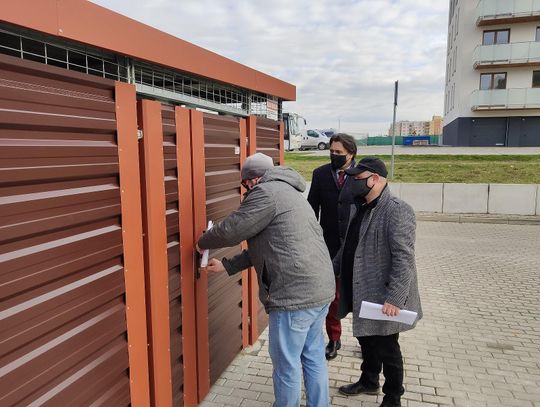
x=130, y=195
x=200, y=224
x=251, y=123
x=245, y=273
x=253, y=285
x=281, y=143
x=157, y=276
x=187, y=255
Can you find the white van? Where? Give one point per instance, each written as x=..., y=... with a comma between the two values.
x=314, y=139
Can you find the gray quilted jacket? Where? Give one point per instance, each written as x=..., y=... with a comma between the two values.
x=285, y=243
x=384, y=265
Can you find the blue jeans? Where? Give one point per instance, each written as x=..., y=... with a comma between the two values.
x=296, y=343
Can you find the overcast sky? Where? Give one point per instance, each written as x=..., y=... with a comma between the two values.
x=342, y=55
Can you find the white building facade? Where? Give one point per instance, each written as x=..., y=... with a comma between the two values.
x=492, y=95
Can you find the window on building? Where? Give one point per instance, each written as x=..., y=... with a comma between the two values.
x=536, y=79
x=493, y=81
x=496, y=37
x=537, y=34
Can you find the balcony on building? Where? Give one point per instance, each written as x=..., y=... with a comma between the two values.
x=501, y=55
x=491, y=12
x=506, y=99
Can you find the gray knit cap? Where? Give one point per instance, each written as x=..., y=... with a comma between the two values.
x=256, y=165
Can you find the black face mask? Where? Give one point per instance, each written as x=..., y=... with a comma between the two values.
x=338, y=161
x=359, y=188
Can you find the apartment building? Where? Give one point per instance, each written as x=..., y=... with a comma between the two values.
x=436, y=126
x=418, y=128
x=492, y=95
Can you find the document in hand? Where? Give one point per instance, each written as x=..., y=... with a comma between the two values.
x=204, y=257
x=370, y=310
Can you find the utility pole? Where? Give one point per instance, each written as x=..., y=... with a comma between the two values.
x=394, y=130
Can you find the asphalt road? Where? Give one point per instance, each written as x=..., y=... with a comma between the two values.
x=435, y=150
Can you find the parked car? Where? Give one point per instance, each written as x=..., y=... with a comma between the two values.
x=329, y=132
x=314, y=139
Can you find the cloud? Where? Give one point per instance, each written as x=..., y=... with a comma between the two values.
x=342, y=55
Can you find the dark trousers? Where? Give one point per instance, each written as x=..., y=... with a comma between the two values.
x=333, y=324
x=382, y=353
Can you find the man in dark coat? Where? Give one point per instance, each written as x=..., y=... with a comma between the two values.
x=377, y=264
x=330, y=199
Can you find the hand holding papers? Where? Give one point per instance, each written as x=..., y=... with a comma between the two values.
x=370, y=310
x=204, y=257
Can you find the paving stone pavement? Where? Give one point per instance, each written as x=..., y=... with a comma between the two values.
x=479, y=341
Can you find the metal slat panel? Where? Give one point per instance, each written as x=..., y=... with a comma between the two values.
x=268, y=142
x=188, y=375
x=268, y=138
x=222, y=154
x=173, y=251
x=63, y=337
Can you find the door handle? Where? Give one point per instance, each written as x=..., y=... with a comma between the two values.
x=197, y=269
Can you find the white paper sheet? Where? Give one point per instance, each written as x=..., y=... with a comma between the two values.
x=370, y=310
x=204, y=257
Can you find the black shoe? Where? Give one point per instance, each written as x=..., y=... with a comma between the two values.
x=354, y=389
x=332, y=348
x=387, y=403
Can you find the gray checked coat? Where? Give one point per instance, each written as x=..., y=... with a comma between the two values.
x=285, y=243
x=384, y=265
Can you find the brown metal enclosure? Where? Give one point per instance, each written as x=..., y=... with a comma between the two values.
x=89, y=313
x=64, y=338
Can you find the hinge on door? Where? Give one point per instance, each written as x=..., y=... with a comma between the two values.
x=139, y=134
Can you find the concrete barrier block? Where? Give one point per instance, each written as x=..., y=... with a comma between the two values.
x=395, y=188
x=512, y=199
x=538, y=201
x=465, y=198
x=423, y=197
x=308, y=186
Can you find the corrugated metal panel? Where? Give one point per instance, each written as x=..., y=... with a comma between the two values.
x=173, y=249
x=62, y=313
x=268, y=138
x=222, y=152
x=268, y=142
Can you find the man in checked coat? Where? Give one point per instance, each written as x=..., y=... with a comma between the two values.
x=377, y=264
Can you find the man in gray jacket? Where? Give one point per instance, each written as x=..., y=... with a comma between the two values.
x=377, y=264
x=294, y=272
